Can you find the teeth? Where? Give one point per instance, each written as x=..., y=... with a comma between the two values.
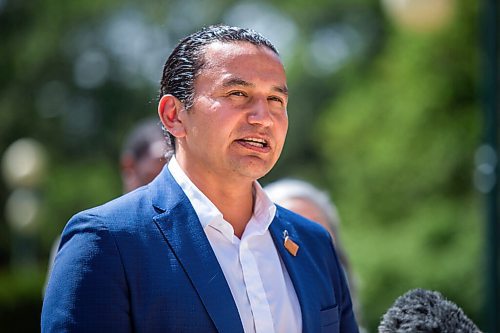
x=255, y=142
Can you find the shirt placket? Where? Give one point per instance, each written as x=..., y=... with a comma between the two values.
x=255, y=290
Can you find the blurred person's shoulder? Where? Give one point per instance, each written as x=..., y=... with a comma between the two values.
x=304, y=226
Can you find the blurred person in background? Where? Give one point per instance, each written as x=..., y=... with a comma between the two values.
x=305, y=199
x=202, y=248
x=144, y=153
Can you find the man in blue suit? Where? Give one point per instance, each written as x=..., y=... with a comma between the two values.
x=202, y=248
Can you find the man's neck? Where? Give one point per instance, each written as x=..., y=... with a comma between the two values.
x=236, y=208
x=234, y=198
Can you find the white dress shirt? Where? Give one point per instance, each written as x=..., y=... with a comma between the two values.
x=257, y=277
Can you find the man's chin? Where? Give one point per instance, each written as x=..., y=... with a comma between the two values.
x=253, y=167
x=257, y=173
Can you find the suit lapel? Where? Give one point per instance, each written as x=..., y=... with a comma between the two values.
x=300, y=273
x=182, y=230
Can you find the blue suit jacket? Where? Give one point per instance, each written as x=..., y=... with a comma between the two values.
x=142, y=263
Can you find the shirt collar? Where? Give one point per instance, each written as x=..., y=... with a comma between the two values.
x=208, y=214
x=263, y=212
x=203, y=207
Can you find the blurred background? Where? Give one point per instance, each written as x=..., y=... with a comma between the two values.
x=386, y=114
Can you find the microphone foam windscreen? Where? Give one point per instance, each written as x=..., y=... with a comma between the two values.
x=422, y=311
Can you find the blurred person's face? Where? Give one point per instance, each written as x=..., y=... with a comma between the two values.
x=238, y=122
x=139, y=172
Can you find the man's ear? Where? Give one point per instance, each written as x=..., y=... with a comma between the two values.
x=169, y=108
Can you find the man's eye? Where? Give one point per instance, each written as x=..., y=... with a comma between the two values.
x=276, y=99
x=237, y=93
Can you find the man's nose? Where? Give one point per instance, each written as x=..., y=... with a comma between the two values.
x=260, y=113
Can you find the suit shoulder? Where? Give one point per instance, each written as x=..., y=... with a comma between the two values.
x=124, y=202
x=125, y=207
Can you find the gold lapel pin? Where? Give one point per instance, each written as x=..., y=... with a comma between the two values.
x=290, y=245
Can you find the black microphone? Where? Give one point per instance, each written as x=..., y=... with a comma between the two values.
x=425, y=311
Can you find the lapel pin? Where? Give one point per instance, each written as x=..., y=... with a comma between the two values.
x=290, y=245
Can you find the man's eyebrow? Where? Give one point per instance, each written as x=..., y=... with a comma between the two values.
x=281, y=89
x=237, y=82
x=240, y=82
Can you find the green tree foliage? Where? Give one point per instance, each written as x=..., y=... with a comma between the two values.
x=399, y=142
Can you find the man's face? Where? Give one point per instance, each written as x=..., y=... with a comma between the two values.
x=238, y=122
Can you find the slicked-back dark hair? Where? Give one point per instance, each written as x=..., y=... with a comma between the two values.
x=187, y=59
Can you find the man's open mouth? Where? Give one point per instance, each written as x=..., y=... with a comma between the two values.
x=256, y=142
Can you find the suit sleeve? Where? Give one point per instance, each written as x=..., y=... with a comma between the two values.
x=87, y=289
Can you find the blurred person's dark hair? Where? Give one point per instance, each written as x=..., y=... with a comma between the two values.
x=144, y=153
x=424, y=311
x=187, y=59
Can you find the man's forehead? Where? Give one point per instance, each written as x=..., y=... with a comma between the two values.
x=242, y=63
x=232, y=49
